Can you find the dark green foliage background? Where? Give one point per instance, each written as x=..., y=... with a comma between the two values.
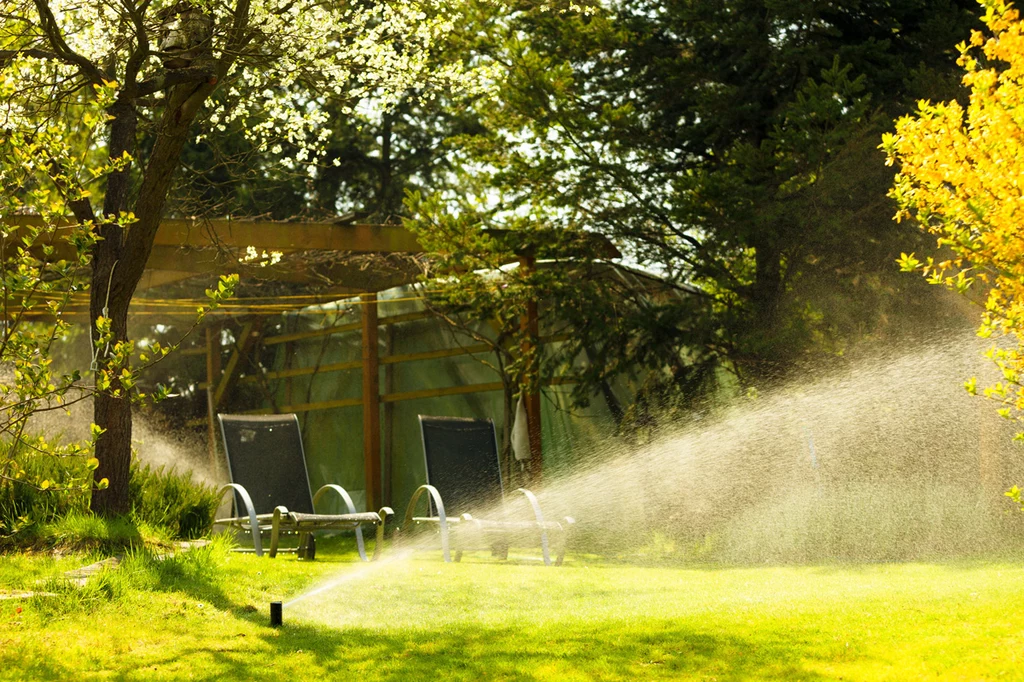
x=729, y=147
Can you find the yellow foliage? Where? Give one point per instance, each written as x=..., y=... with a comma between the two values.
x=960, y=177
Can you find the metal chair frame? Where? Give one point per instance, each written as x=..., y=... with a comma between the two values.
x=454, y=531
x=283, y=522
x=466, y=532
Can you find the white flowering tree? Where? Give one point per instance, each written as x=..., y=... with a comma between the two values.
x=163, y=72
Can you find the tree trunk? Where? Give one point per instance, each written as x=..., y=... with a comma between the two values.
x=767, y=288
x=119, y=260
x=110, y=298
x=112, y=413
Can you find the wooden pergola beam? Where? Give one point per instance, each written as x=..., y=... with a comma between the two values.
x=209, y=261
x=263, y=235
x=288, y=236
x=274, y=236
x=388, y=425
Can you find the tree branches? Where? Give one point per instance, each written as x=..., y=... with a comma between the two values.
x=166, y=80
x=57, y=43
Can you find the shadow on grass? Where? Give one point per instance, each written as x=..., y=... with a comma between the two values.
x=607, y=651
x=560, y=649
x=196, y=574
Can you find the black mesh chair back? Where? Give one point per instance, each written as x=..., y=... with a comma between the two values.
x=462, y=462
x=265, y=457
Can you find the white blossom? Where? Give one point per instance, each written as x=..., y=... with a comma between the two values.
x=300, y=55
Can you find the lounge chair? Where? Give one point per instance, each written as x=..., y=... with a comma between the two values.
x=268, y=472
x=462, y=464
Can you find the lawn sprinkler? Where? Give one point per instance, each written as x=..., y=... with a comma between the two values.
x=276, y=613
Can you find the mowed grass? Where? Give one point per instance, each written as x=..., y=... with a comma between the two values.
x=206, y=618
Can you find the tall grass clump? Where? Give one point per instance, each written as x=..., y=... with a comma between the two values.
x=165, y=502
x=173, y=500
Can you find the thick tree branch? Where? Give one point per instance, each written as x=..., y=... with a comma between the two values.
x=169, y=79
x=52, y=30
x=120, y=143
x=138, y=56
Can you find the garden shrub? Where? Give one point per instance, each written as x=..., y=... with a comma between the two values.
x=83, y=532
x=24, y=506
x=172, y=503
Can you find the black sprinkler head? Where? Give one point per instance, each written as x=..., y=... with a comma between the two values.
x=276, y=612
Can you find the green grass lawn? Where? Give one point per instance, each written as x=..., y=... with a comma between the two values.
x=205, y=616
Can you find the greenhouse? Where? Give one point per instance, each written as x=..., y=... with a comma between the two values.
x=425, y=366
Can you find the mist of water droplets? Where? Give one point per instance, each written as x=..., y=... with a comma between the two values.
x=889, y=461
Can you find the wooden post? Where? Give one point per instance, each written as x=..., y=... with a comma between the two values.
x=218, y=381
x=244, y=341
x=389, y=417
x=371, y=402
x=212, y=377
x=530, y=324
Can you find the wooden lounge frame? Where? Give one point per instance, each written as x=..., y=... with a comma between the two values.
x=280, y=521
x=465, y=532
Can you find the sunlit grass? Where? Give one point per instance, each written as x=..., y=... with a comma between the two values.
x=482, y=619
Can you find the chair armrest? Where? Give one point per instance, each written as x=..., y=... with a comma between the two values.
x=254, y=524
x=378, y=546
x=442, y=518
x=275, y=529
x=346, y=498
x=540, y=523
x=350, y=506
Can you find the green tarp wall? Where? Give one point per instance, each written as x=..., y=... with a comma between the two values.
x=333, y=438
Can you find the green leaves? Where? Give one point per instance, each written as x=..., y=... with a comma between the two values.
x=225, y=289
x=161, y=393
x=908, y=263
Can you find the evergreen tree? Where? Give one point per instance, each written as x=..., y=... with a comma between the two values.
x=729, y=146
